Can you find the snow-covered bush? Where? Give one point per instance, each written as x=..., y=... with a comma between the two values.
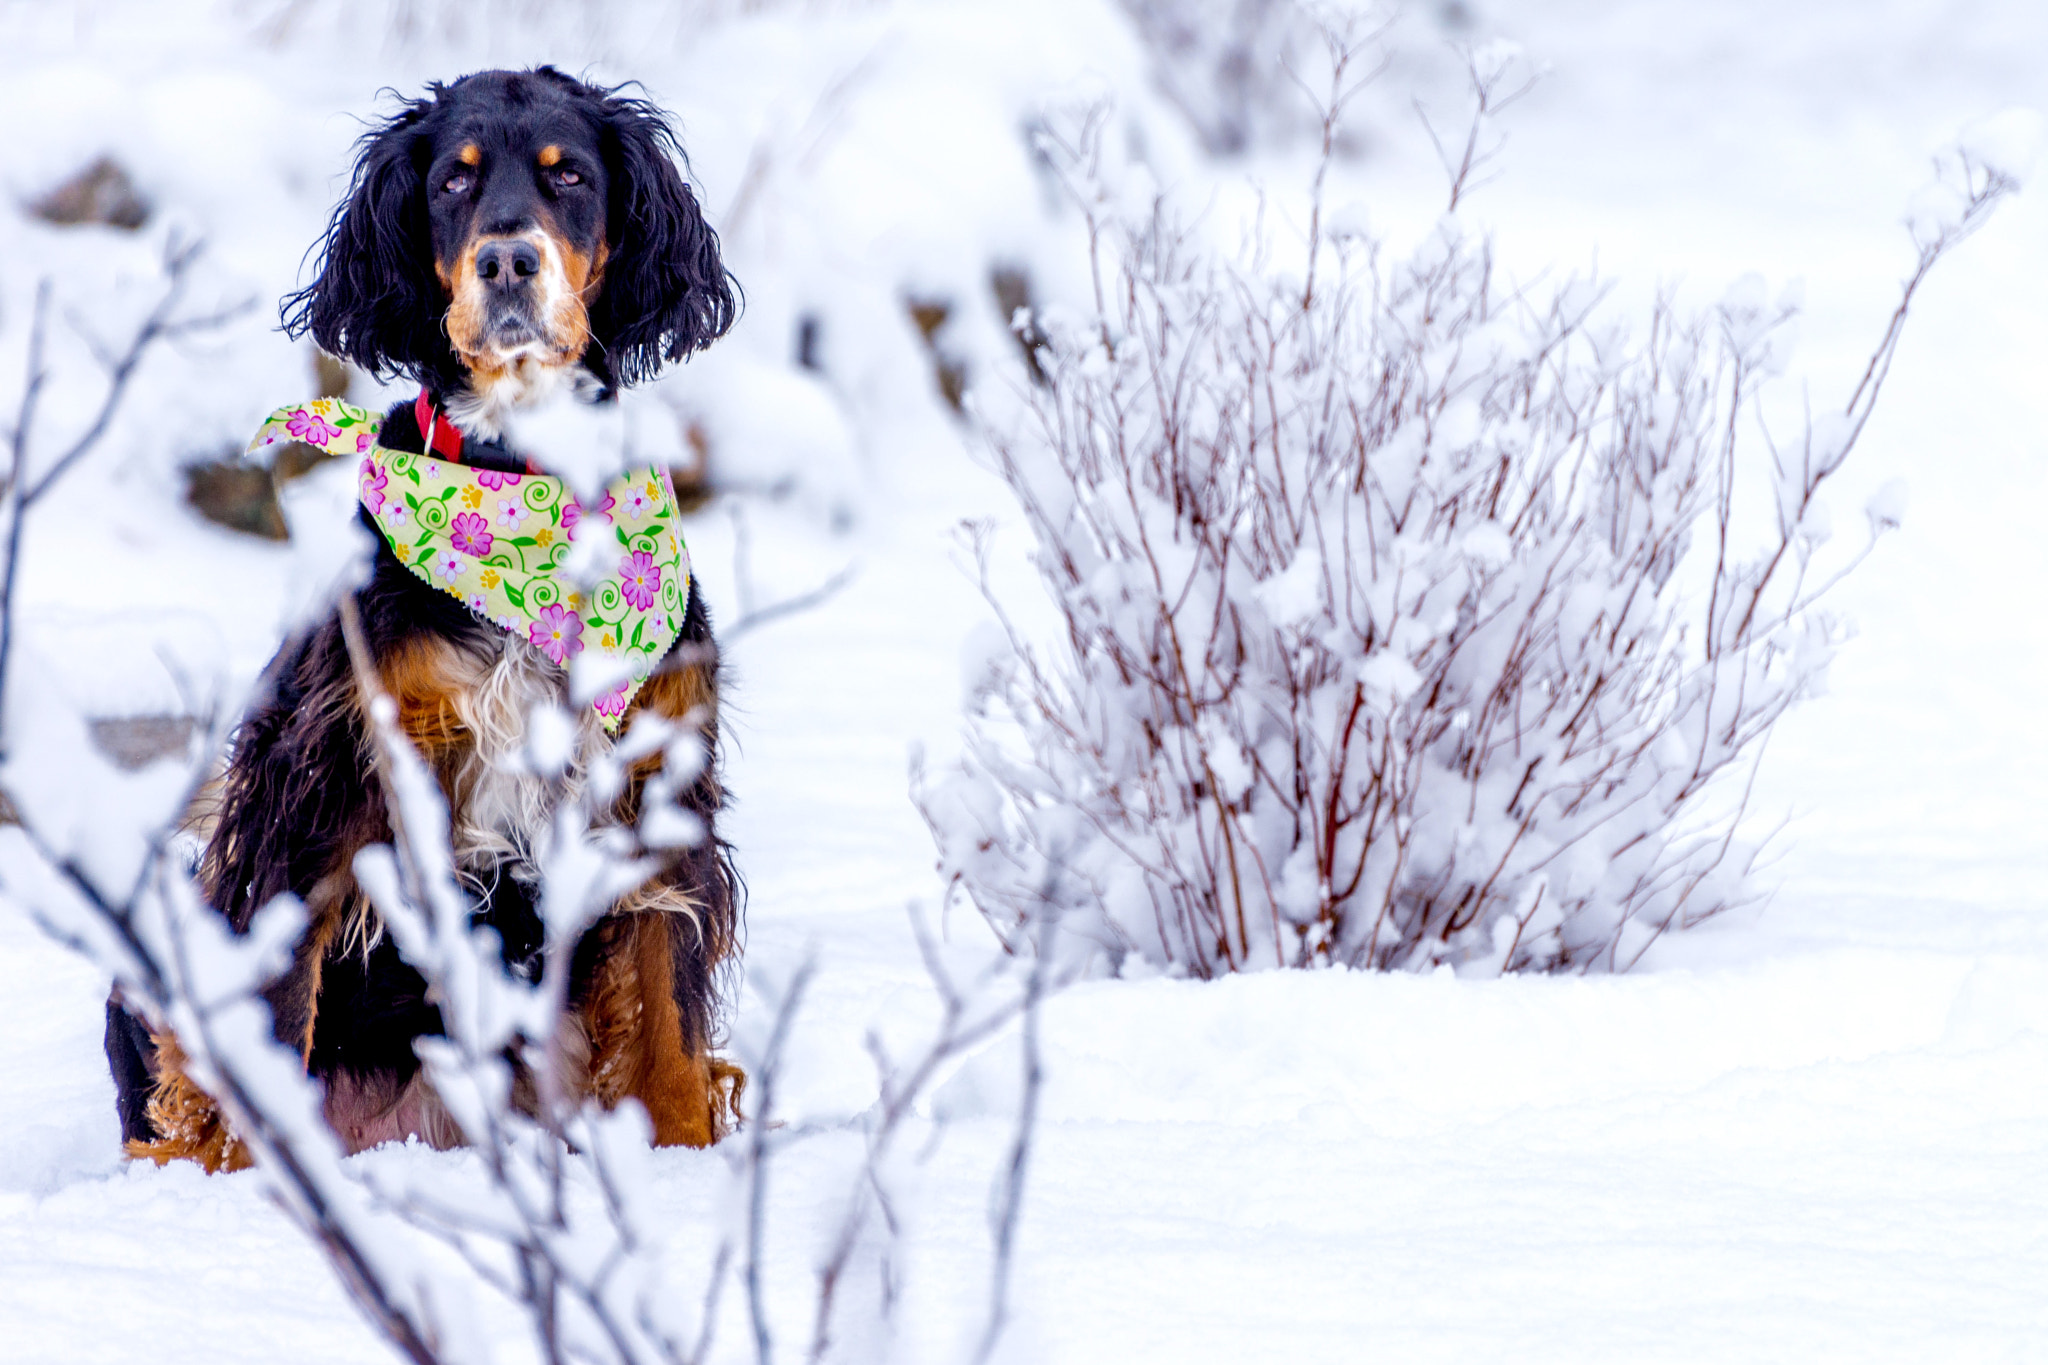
x=1410, y=617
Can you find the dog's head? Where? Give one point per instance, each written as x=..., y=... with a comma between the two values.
x=511, y=228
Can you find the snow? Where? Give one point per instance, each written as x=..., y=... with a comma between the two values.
x=1814, y=1131
x=2008, y=142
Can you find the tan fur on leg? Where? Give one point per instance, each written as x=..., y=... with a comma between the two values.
x=192, y=1125
x=637, y=1045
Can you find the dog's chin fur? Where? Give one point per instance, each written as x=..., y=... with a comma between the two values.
x=521, y=382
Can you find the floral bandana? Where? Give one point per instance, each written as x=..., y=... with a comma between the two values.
x=497, y=541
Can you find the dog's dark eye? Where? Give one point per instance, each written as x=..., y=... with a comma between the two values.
x=457, y=183
x=568, y=178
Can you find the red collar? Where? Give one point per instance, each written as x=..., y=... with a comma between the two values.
x=437, y=434
x=442, y=437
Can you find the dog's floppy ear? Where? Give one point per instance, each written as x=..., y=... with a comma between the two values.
x=376, y=300
x=666, y=292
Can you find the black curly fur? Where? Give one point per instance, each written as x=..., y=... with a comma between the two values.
x=132, y=1058
x=666, y=294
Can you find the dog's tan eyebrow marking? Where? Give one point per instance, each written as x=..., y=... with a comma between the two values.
x=550, y=155
x=470, y=155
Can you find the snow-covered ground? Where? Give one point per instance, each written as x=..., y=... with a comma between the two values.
x=1815, y=1133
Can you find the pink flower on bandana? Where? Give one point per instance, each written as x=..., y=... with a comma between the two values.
x=308, y=427
x=394, y=512
x=574, y=512
x=636, y=504
x=495, y=479
x=639, y=579
x=558, y=633
x=471, y=534
x=612, y=703
x=511, y=512
x=372, y=479
x=362, y=442
x=449, y=566
x=476, y=603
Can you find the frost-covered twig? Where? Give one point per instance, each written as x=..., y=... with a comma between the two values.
x=767, y=1077
x=970, y=1014
x=752, y=615
x=802, y=149
x=750, y=621
x=1498, y=78
x=1010, y=1203
x=21, y=487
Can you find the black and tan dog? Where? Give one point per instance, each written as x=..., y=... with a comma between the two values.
x=510, y=239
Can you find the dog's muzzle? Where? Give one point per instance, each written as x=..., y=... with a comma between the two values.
x=514, y=302
x=508, y=272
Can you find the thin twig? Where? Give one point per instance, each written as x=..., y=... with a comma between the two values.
x=766, y=1076
x=1010, y=1205
x=792, y=606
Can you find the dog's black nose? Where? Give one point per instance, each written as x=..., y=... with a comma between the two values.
x=507, y=265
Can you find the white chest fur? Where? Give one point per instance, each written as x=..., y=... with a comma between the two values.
x=501, y=810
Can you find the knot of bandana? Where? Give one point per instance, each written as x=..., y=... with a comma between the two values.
x=498, y=541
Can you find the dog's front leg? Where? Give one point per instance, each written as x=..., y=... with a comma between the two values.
x=642, y=1043
x=646, y=980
